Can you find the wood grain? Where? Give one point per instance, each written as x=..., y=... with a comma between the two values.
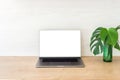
x=23, y=68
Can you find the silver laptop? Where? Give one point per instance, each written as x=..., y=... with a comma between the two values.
x=60, y=48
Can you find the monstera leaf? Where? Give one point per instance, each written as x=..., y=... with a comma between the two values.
x=96, y=44
x=118, y=27
x=117, y=45
x=109, y=36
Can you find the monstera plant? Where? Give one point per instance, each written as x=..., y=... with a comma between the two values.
x=103, y=40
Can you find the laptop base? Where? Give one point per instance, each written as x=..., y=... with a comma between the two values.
x=59, y=62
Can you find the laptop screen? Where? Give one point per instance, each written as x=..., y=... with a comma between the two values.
x=60, y=43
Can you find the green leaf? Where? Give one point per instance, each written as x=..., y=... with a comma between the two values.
x=117, y=46
x=92, y=41
x=97, y=30
x=97, y=47
x=96, y=44
x=112, y=36
x=103, y=34
x=95, y=36
x=96, y=50
x=96, y=33
x=118, y=27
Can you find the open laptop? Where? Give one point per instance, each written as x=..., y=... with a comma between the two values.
x=60, y=48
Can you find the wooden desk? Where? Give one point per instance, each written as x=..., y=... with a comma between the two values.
x=23, y=68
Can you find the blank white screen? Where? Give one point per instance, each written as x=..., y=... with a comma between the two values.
x=60, y=43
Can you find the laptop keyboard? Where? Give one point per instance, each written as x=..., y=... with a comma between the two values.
x=59, y=60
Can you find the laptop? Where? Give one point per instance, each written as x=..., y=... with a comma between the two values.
x=60, y=48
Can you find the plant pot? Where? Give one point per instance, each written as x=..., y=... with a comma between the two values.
x=107, y=53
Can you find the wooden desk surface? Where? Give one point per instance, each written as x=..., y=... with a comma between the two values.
x=23, y=68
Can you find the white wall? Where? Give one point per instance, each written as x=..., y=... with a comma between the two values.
x=21, y=20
